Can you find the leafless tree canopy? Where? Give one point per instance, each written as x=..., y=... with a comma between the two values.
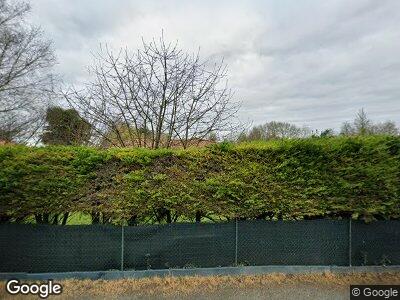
x=362, y=125
x=274, y=130
x=154, y=97
x=25, y=60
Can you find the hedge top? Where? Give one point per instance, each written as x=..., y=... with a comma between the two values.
x=285, y=179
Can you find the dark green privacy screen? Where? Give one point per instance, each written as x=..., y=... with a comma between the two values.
x=46, y=248
x=377, y=243
x=41, y=248
x=314, y=242
x=179, y=245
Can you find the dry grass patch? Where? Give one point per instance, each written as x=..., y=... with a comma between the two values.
x=217, y=286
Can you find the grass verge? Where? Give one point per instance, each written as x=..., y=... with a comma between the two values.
x=272, y=286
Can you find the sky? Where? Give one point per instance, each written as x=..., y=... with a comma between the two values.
x=312, y=63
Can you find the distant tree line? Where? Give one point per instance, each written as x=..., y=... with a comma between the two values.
x=67, y=127
x=360, y=126
x=364, y=126
x=274, y=130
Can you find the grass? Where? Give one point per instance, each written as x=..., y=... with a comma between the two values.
x=79, y=218
x=272, y=286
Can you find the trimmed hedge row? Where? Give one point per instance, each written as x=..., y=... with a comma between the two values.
x=290, y=179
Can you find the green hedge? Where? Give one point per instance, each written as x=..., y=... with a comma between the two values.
x=289, y=179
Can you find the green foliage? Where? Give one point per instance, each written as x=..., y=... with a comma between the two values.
x=65, y=127
x=333, y=177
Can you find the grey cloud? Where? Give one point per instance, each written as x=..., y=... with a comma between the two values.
x=310, y=62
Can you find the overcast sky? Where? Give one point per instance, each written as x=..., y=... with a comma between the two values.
x=308, y=62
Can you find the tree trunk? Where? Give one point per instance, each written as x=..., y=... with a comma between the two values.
x=65, y=218
x=168, y=215
x=198, y=216
x=132, y=221
x=95, y=217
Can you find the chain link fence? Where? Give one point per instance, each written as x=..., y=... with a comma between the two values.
x=46, y=248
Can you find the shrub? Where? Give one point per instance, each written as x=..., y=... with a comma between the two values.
x=289, y=179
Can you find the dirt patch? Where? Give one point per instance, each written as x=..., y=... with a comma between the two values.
x=271, y=286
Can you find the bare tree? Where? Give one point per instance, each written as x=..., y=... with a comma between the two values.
x=347, y=129
x=25, y=60
x=154, y=97
x=388, y=128
x=362, y=125
x=285, y=130
x=275, y=130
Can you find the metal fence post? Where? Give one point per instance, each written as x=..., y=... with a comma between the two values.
x=350, y=250
x=122, y=247
x=236, y=242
